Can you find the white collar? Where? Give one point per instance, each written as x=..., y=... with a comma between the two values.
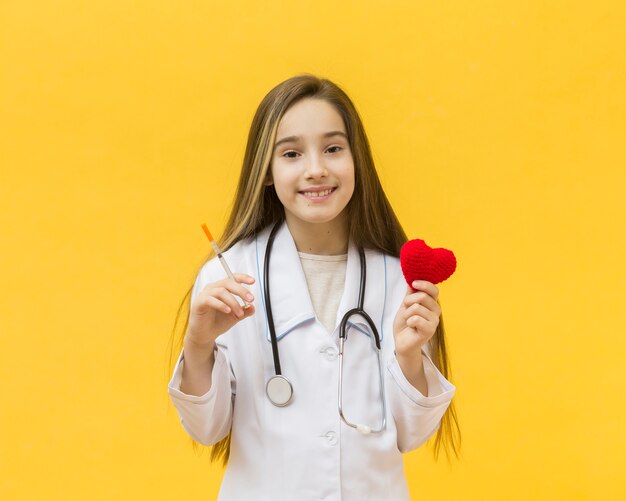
x=291, y=305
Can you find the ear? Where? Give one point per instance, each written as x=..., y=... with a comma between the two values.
x=269, y=181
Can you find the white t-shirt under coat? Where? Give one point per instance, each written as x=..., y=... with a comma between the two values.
x=325, y=277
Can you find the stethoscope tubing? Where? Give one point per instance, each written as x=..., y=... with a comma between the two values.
x=268, y=304
x=278, y=388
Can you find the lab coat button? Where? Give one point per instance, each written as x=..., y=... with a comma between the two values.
x=331, y=437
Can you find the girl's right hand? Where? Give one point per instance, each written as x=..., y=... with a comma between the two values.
x=216, y=309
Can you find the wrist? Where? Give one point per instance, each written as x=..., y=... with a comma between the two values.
x=412, y=356
x=412, y=366
x=200, y=349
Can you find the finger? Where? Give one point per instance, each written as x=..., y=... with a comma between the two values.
x=428, y=287
x=235, y=288
x=421, y=310
x=217, y=304
x=208, y=302
x=422, y=298
x=243, y=278
x=205, y=303
x=225, y=295
x=421, y=324
x=416, y=322
x=425, y=315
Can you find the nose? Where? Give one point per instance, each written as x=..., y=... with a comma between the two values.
x=316, y=168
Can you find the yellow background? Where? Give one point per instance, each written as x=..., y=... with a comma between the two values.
x=498, y=129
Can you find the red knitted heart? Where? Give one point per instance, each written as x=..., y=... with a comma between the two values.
x=420, y=262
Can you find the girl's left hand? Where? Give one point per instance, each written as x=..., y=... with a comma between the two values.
x=417, y=319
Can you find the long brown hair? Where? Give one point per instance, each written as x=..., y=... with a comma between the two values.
x=372, y=221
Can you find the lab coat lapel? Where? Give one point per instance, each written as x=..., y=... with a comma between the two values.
x=375, y=289
x=291, y=303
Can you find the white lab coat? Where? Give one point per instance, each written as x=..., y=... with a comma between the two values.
x=304, y=451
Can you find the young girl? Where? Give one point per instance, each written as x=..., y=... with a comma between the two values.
x=293, y=418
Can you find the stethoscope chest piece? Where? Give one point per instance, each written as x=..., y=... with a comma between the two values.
x=279, y=390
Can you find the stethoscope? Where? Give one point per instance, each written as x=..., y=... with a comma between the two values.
x=278, y=388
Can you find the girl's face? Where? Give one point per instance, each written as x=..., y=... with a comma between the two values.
x=312, y=167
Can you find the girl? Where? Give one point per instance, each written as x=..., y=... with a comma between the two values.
x=308, y=201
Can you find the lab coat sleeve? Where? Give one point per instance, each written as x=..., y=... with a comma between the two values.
x=206, y=418
x=416, y=416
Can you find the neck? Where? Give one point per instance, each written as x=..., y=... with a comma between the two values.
x=327, y=239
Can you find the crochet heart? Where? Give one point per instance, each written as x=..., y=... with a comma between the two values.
x=420, y=262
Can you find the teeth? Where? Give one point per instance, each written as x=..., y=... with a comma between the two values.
x=314, y=194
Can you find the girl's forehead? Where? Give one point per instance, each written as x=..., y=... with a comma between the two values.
x=310, y=116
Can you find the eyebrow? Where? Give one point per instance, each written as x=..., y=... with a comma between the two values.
x=290, y=139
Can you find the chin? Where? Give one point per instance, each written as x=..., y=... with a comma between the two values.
x=321, y=219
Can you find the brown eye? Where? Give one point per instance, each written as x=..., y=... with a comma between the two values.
x=290, y=154
x=334, y=149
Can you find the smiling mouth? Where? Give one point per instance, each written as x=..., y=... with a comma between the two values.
x=318, y=194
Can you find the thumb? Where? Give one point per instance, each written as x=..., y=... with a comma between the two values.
x=249, y=311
